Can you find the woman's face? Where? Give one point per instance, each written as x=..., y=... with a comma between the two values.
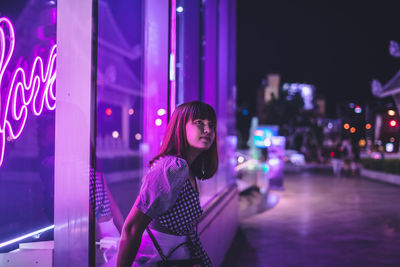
x=200, y=134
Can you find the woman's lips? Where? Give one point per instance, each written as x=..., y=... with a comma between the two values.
x=206, y=138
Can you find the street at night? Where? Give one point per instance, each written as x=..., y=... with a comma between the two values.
x=322, y=220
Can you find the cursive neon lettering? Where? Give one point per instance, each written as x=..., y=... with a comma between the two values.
x=35, y=90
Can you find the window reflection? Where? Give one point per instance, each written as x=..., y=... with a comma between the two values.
x=119, y=116
x=27, y=171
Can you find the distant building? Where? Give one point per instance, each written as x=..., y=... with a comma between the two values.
x=307, y=92
x=272, y=89
x=269, y=90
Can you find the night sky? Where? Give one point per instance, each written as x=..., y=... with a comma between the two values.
x=339, y=46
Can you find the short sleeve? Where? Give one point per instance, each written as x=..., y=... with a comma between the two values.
x=161, y=186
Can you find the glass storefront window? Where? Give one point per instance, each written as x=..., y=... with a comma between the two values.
x=27, y=120
x=120, y=117
x=188, y=48
x=197, y=45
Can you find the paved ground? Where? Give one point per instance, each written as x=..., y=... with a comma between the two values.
x=320, y=220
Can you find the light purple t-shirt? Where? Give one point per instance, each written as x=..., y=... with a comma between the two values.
x=161, y=185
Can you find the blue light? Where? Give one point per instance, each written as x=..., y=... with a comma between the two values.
x=266, y=168
x=389, y=147
x=245, y=112
x=263, y=135
x=38, y=232
x=179, y=9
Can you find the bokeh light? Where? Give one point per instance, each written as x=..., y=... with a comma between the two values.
x=115, y=134
x=362, y=142
x=158, y=122
x=389, y=147
x=161, y=112
x=391, y=112
x=138, y=136
x=358, y=109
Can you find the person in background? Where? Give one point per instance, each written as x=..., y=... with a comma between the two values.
x=355, y=163
x=162, y=224
x=337, y=160
x=347, y=156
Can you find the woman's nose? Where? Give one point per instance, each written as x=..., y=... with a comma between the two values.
x=206, y=129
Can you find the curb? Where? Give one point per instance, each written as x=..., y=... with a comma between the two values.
x=389, y=178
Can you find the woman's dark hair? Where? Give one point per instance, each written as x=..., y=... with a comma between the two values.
x=175, y=141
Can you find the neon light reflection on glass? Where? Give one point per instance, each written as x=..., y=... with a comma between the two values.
x=12, y=241
x=35, y=90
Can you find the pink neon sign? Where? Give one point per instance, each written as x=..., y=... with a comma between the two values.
x=34, y=90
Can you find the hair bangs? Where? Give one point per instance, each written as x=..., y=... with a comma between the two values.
x=200, y=110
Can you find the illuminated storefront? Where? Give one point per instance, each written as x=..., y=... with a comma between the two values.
x=122, y=67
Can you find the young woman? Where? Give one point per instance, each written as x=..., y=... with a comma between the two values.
x=166, y=211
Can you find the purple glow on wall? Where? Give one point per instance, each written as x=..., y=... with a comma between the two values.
x=34, y=89
x=172, y=57
x=54, y=15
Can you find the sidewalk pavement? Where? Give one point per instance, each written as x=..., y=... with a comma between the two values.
x=319, y=220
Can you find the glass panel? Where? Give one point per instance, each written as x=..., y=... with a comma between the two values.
x=27, y=37
x=119, y=119
x=188, y=49
x=222, y=99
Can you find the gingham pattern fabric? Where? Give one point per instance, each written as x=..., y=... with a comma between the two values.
x=182, y=217
x=98, y=196
x=162, y=185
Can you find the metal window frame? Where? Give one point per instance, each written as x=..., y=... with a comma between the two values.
x=74, y=122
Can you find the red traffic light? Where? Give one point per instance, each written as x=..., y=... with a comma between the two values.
x=393, y=123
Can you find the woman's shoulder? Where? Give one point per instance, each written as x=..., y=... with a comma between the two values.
x=162, y=184
x=170, y=162
x=170, y=167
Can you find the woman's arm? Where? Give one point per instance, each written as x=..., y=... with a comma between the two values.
x=131, y=235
